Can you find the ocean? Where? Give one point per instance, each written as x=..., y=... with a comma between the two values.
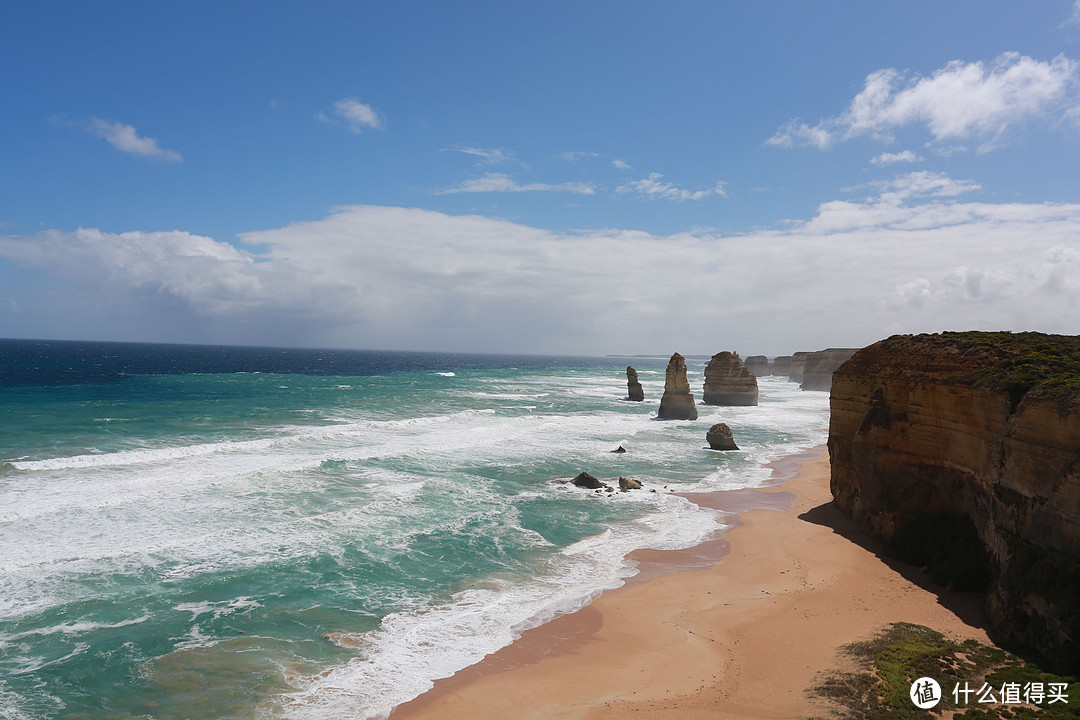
x=224, y=532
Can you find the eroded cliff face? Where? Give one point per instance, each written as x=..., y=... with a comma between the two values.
x=819, y=367
x=677, y=402
x=962, y=459
x=729, y=382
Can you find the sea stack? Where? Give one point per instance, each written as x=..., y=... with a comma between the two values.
x=720, y=437
x=728, y=382
x=677, y=402
x=633, y=387
x=781, y=365
x=758, y=365
x=798, y=366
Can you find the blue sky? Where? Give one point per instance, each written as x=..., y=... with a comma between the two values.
x=601, y=177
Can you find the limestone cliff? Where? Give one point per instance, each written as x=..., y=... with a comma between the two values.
x=781, y=365
x=820, y=366
x=728, y=382
x=633, y=386
x=677, y=403
x=758, y=365
x=962, y=452
x=797, y=366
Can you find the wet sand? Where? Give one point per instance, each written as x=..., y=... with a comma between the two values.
x=740, y=627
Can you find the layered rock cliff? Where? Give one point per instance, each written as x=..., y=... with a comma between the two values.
x=677, y=402
x=819, y=367
x=728, y=382
x=962, y=452
x=797, y=366
x=633, y=385
x=781, y=365
x=758, y=365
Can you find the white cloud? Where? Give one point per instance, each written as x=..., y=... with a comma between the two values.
x=126, y=139
x=1074, y=18
x=885, y=159
x=406, y=278
x=959, y=102
x=926, y=183
x=356, y=115
x=500, y=182
x=620, y=164
x=487, y=155
x=576, y=155
x=655, y=188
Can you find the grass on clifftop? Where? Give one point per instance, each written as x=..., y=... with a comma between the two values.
x=1017, y=363
x=903, y=653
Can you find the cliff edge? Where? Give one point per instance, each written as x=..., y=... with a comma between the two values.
x=961, y=451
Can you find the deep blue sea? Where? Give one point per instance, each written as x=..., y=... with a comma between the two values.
x=220, y=532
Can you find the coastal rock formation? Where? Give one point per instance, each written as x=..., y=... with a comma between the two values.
x=677, y=402
x=626, y=483
x=758, y=365
x=962, y=452
x=633, y=386
x=820, y=366
x=781, y=365
x=720, y=437
x=797, y=366
x=728, y=382
x=585, y=480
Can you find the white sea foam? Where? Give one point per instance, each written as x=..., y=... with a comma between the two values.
x=401, y=659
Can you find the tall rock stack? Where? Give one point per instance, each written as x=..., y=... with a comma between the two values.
x=633, y=387
x=728, y=382
x=758, y=365
x=677, y=402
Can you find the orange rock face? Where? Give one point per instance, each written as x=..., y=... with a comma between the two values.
x=977, y=478
x=677, y=402
x=728, y=382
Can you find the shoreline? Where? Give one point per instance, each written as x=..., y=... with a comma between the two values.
x=738, y=627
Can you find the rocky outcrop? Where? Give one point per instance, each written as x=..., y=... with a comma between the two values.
x=677, y=402
x=758, y=365
x=633, y=387
x=626, y=483
x=720, y=437
x=781, y=365
x=962, y=452
x=820, y=366
x=797, y=366
x=585, y=480
x=728, y=382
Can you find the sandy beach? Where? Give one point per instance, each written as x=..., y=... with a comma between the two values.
x=739, y=628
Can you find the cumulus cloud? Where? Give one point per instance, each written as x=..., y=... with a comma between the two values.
x=126, y=139
x=913, y=258
x=354, y=114
x=620, y=164
x=960, y=102
x=885, y=159
x=654, y=187
x=500, y=182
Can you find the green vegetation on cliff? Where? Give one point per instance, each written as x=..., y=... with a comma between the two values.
x=1016, y=363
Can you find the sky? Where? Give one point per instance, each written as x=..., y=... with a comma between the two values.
x=582, y=178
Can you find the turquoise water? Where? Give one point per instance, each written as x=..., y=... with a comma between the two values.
x=322, y=536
